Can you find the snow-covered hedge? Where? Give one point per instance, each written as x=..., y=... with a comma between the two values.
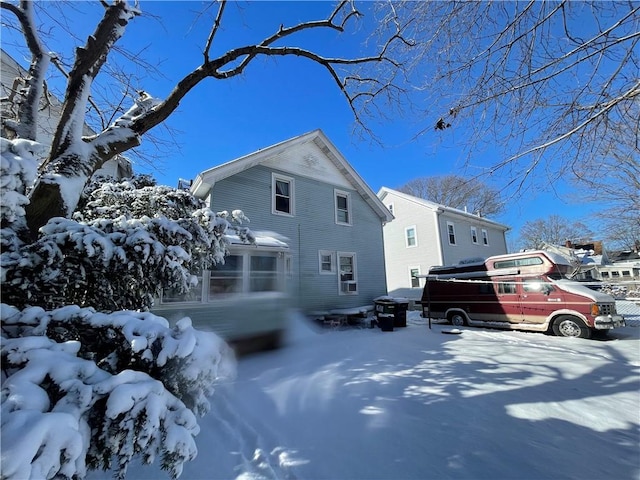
x=85, y=389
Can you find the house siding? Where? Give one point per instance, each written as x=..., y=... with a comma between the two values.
x=433, y=246
x=464, y=247
x=310, y=229
x=398, y=257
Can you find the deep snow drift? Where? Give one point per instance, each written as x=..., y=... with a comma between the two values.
x=417, y=404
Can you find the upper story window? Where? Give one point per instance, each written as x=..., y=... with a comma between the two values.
x=474, y=235
x=485, y=237
x=283, y=195
x=451, y=232
x=410, y=237
x=390, y=207
x=343, y=207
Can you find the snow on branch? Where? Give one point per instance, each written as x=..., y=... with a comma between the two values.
x=71, y=377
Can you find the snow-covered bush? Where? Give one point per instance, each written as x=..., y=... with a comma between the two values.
x=126, y=385
x=83, y=388
x=127, y=241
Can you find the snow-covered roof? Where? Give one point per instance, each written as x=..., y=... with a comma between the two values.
x=262, y=239
x=436, y=207
x=205, y=180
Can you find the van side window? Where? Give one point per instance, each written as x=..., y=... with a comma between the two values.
x=536, y=285
x=506, y=287
x=518, y=262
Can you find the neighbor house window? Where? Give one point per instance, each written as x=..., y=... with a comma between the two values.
x=327, y=262
x=485, y=237
x=410, y=237
x=282, y=201
x=474, y=235
x=451, y=232
x=605, y=274
x=343, y=208
x=390, y=207
x=348, y=279
x=413, y=273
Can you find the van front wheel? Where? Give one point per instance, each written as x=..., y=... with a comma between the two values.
x=567, y=326
x=457, y=320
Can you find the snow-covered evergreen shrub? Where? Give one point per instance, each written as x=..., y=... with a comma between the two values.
x=126, y=385
x=127, y=241
x=83, y=389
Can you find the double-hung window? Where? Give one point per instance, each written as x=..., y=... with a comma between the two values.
x=343, y=207
x=410, y=237
x=282, y=202
x=451, y=232
x=474, y=235
x=348, y=278
x=326, y=262
x=485, y=237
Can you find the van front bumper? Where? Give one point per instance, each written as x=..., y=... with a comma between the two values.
x=607, y=322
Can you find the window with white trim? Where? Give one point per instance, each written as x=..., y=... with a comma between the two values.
x=413, y=274
x=282, y=201
x=485, y=237
x=390, y=207
x=451, y=233
x=343, y=207
x=326, y=262
x=410, y=236
x=348, y=277
x=474, y=235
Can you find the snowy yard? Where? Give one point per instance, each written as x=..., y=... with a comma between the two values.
x=417, y=404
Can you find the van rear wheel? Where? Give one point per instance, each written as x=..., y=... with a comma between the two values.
x=568, y=326
x=457, y=320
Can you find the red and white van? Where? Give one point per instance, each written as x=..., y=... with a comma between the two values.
x=521, y=291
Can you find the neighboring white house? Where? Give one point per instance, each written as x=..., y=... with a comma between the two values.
x=425, y=234
x=306, y=191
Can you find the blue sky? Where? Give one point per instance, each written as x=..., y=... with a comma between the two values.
x=277, y=99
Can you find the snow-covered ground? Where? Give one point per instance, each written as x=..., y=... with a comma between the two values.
x=417, y=404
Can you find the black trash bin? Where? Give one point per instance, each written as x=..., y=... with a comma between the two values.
x=385, y=313
x=391, y=312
